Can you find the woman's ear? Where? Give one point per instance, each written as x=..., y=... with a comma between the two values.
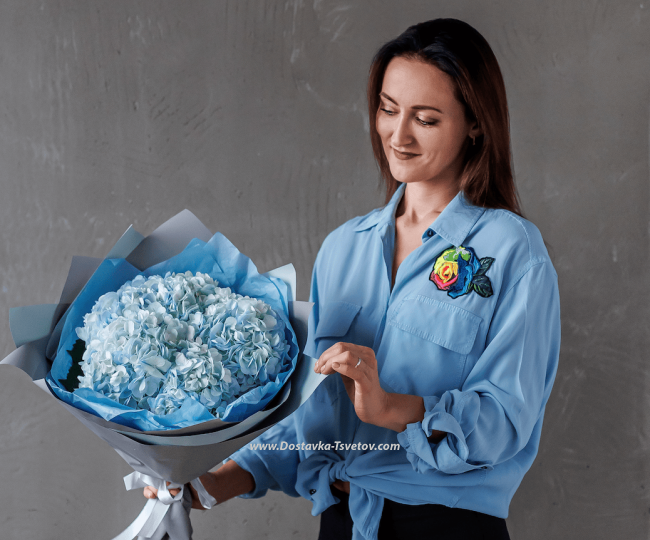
x=475, y=131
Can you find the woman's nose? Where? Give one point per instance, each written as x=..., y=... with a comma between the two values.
x=402, y=135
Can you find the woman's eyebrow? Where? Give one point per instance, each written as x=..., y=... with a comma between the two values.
x=416, y=107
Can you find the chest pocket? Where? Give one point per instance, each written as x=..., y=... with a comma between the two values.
x=426, y=345
x=334, y=322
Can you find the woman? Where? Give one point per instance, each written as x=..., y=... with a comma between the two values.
x=439, y=312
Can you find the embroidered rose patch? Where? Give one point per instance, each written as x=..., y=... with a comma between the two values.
x=459, y=271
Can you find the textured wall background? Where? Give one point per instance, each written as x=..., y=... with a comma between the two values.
x=252, y=115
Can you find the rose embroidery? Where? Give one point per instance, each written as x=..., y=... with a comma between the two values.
x=459, y=271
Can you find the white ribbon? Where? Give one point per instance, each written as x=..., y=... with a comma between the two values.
x=153, y=513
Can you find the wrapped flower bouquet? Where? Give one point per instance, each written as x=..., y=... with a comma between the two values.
x=176, y=352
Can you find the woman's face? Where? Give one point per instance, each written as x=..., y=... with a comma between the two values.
x=423, y=128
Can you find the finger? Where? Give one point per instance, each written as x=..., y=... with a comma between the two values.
x=150, y=492
x=356, y=373
x=344, y=357
x=335, y=350
x=333, y=354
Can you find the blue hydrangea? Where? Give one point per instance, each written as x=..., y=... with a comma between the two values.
x=158, y=341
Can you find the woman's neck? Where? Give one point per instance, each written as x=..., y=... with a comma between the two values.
x=423, y=203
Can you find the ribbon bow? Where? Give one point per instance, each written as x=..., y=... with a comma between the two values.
x=167, y=514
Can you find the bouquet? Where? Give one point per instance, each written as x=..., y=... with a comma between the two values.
x=176, y=352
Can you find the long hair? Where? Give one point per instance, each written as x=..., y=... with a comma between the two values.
x=461, y=52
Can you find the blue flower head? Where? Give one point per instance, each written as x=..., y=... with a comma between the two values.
x=200, y=336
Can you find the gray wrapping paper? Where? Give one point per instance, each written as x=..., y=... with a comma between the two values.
x=181, y=456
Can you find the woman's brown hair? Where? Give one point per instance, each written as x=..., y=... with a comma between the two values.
x=461, y=52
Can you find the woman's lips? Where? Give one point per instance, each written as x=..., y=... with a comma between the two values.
x=403, y=155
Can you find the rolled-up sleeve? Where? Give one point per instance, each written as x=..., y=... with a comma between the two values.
x=271, y=467
x=491, y=417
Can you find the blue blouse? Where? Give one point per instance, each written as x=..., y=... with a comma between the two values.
x=472, y=325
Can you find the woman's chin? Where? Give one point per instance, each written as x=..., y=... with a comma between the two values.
x=407, y=173
x=407, y=178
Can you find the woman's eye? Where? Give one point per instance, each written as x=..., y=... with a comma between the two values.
x=426, y=122
x=387, y=111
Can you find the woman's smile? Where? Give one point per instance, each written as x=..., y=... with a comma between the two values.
x=404, y=155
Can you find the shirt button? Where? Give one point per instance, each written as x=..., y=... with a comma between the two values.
x=312, y=491
x=429, y=233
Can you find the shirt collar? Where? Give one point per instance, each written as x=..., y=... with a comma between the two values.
x=453, y=224
x=382, y=216
x=457, y=220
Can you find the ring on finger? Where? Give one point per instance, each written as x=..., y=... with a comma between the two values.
x=358, y=363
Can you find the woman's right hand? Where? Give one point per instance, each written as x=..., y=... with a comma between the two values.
x=151, y=492
x=229, y=481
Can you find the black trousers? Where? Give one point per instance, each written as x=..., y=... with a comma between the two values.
x=408, y=522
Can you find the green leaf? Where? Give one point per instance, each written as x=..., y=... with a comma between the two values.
x=486, y=262
x=450, y=255
x=482, y=286
x=71, y=383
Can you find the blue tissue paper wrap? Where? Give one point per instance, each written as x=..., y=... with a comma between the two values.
x=224, y=263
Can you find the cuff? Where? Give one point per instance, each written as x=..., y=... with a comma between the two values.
x=451, y=454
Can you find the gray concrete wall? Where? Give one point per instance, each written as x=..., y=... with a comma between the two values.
x=252, y=115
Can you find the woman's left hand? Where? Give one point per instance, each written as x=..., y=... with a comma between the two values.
x=358, y=368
